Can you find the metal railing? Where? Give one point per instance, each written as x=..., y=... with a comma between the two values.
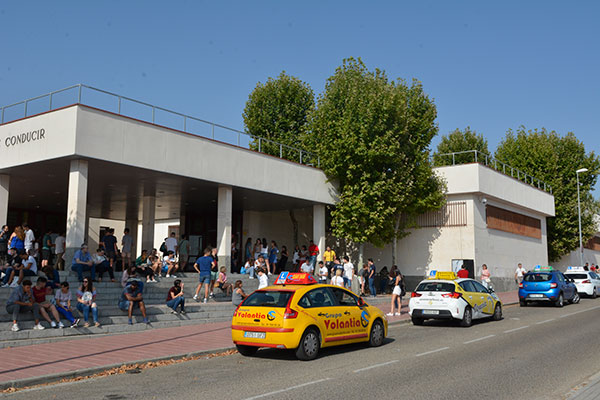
x=469, y=156
x=122, y=105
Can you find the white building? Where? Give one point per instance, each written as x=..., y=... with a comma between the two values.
x=591, y=251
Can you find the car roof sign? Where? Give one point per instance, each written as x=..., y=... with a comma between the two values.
x=575, y=269
x=442, y=275
x=295, y=278
x=540, y=268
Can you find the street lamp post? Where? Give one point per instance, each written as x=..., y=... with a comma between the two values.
x=579, y=214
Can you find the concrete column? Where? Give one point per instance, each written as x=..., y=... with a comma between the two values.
x=76, y=208
x=132, y=224
x=4, y=187
x=148, y=213
x=319, y=228
x=224, y=218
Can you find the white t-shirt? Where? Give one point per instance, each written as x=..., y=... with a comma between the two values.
x=337, y=281
x=29, y=238
x=171, y=243
x=263, y=281
x=323, y=272
x=31, y=261
x=59, y=244
x=348, y=270
x=520, y=272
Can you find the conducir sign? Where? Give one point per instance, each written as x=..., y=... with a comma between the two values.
x=25, y=137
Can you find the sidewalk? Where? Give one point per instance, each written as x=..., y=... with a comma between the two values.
x=40, y=363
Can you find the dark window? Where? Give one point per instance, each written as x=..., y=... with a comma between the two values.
x=467, y=286
x=436, y=287
x=320, y=297
x=479, y=287
x=268, y=298
x=538, y=277
x=577, y=276
x=594, y=275
x=560, y=277
x=344, y=297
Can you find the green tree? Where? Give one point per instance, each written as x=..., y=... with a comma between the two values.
x=373, y=136
x=554, y=159
x=278, y=111
x=457, y=141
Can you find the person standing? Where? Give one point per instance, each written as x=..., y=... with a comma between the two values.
x=348, y=272
x=4, y=235
x=313, y=252
x=283, y=259
x=46, y=249
x=296, y=258
x=29, y=238
x=257, y=248
x=126, y=247
x=363, y=277
x=372, y=274
x=337, y=279
x=17, y=240
x=214, y=270
x=184, y=248
x=203, y=266
x=395, y=278
x=519, y=274
x=328, y=257
x=264, y=252
x=323, y=272
x=273, y=252
x=485, y=276
x=109, y=243
x=175, y=297
x=59, y=250
x=463, y=272
x=248, y=250
x=171, y=243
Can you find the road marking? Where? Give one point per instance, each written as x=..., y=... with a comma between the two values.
x=577, y=312
x=515, y=319
x=432, y=351
x=516, y=329
x=287, y=389
x=543, y=322
x=481, y=338
x=376, y=366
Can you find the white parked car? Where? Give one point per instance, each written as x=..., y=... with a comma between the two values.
x=587, y=282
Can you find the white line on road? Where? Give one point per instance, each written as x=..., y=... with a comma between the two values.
x=432, y=351
x=477, y=340
x=376, y=365
x=577, y=312
x=287, y=389
x=543, y=322
x=516, y=329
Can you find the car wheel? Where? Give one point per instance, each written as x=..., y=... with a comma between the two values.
x=467, y=318
x=522, y=303
x=377, y=334
x=594, y=293
x=309, y=345
x=560, y=301
x=246, y=350
x=417, y=321
x=575, y=299
x=497, y=313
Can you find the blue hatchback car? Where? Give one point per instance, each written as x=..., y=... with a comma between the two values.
x=546, y=284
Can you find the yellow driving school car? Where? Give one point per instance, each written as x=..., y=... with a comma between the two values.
x=298, y=313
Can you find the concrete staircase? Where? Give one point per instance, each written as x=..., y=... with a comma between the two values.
x=113, y=320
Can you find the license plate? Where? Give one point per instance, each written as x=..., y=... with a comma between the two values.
x=255, y=335
x=431, y=312
x=536, y=295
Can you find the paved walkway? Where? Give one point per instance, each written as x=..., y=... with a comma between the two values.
x=69, y=356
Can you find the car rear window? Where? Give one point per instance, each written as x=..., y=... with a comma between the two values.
x=436, y=287
x=538, y=277
x=576, y=276
x=268, y=298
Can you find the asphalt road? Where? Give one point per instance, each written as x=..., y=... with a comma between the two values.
x=538, y=352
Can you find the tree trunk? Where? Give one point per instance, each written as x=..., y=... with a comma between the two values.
x=295, y=225
x=361, y=250
x=395, y=240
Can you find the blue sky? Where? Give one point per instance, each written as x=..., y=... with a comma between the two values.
x=489, y=65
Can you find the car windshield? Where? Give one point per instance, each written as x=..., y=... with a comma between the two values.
x=576, y=276
x=436, y=287
x=538, y=277
x=270, y=298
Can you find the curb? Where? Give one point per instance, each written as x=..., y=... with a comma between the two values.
x=52, y=378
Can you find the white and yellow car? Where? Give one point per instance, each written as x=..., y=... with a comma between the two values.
x=444, y=296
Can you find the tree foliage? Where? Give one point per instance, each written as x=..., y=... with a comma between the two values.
x=373, y=136
x=457, y=141
x=554, y=159
x=278, y=111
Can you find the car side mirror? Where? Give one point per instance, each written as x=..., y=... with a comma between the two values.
x=361, y=302
x=490, y=290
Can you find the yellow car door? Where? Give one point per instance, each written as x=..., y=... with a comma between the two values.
x=320, y=307
x=486, y=298
x=473, y=297
x=352, y=322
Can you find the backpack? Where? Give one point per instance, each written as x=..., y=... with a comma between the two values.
x=163, y=247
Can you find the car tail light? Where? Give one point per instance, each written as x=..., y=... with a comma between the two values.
x=521, y=285
x=586, y=281
x=290, y=314
x=415, y=294
x=554, y=285
x=453, y=295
